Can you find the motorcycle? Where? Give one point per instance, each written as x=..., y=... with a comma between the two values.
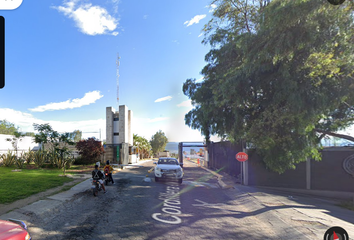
x=96, y=187
x=107, y=177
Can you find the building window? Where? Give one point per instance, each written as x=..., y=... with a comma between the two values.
x=116, y=134
x=115, y=119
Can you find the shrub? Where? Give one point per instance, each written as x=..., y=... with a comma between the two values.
x=29, y=156
x=90, y=149
x=8, y=159
x=20, y=162
x=69, y=163
x=39, y=158
x=53, y=158
x=84, y=161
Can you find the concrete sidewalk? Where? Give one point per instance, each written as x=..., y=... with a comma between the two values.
x=313, y=210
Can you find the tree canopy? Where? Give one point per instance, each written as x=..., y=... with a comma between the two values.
x=279, y=75
x=47, y=135
x=90, y=149
x=158, y=142
x=143, y=145
x=7, y=127
x=76, y=135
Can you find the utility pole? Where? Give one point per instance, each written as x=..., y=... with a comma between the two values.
x=117, y=63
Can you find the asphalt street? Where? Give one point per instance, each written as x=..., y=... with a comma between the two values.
x=205, y=206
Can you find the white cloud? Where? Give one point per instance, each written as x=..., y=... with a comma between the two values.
x=24, y=121
x=187, y=103
x=168, y=98
x=90, y=97
x=212, y=7
x=194, y=20
x=20, y=119
x=115, y=5
x=91, y=20
x=200, y=79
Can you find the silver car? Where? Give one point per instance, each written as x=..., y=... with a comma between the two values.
x=168, y=168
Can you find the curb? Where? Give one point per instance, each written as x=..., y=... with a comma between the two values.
x=47, y=205
x=222, y=184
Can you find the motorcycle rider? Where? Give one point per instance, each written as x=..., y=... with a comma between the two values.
x=109, y=169
x=98, y=175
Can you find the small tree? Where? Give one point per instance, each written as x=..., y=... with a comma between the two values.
x=63, y=158
x=58, y=144
x=75, y=135
x=17, y=137
x=143, y=145
x=46, y=134
x=90, y=149
x=158, y=142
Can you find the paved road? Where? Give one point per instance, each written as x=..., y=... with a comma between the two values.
x=137, y=207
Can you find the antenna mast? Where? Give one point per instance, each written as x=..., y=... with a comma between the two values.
x=117, y=62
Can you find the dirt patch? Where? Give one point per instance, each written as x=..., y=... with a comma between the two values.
x=31, y=167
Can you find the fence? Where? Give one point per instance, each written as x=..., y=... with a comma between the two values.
x=335, y=172
x=222, y=156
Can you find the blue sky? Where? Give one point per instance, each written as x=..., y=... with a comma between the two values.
x=60, y=63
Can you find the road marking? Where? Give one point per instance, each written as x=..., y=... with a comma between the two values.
x=152, y=169
x=171, y=208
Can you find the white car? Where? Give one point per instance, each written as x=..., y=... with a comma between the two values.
x=168, y=168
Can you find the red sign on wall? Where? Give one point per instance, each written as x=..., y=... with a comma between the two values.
x=241, y=156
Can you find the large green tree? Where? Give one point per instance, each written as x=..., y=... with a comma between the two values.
x=279, y=75
x=158, y=142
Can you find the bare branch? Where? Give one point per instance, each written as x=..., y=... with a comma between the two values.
x=347, y=137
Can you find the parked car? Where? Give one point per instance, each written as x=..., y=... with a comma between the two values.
x=168, y=168
x=14, y=230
